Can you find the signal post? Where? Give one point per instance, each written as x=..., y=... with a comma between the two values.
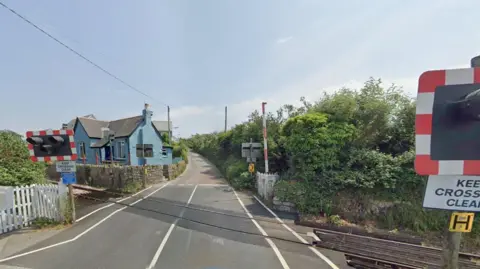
x=57, y=146
x=447, y=126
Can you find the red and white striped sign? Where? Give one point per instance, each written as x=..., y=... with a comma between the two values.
x=427, y=84
x=72, y=157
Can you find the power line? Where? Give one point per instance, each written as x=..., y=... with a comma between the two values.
x=77, y=53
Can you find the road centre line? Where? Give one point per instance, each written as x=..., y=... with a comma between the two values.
x=170, y=230
x=262, y=231
x=301, y=239
x=84, y=232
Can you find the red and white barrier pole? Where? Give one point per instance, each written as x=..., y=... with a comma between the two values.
x=265, y=147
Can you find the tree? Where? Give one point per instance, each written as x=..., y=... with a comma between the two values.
x=16, y=168
x=314, y=143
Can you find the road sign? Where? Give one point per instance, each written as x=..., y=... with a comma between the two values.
x=51, y=145
x=456, y=193
x=251, y=150
x=251, y=167
x=461, y=222
x=446, y=122
x=68, y=178
x=66, y=166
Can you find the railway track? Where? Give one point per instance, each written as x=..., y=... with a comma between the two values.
x=368, y=252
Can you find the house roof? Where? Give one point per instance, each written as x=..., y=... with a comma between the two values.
x=161, y=126
x=122, y=127
x=125, y=127
x=93, y=127
x=100, y=143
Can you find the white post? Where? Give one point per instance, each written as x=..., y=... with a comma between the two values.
x=265, y=147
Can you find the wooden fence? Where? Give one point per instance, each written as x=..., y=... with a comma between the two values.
x=19, y=206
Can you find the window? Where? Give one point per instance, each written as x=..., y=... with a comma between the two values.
x=148, y=149
x=139, y=150
x=164, y=152
x=121, y=150
x=145, y=150
x=81, y=146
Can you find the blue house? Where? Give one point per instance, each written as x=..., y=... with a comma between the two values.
x=130, y=141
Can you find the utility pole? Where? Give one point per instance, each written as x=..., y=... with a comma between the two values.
x=265, y=148
x=168, y=123
x=225, y=119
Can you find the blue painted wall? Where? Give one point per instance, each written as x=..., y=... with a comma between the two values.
x=168, y=159
x=81, y=136
x=177, y=160
x=146, y=134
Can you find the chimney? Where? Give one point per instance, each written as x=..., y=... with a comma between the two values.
x=105, y=132
x=147, y=114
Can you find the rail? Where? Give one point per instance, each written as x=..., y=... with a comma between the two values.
x=368, y=252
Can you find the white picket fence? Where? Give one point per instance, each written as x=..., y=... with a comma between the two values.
x=19, y=206
x=265, y=183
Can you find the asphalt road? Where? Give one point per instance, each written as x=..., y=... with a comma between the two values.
x=194, y=222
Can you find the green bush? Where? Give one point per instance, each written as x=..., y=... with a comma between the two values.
x=132, y=187
x=243, y=181
x=16, y=168
x=43, y=222
x=235, y=169
x=180, y=150
x=342, y=154
x=181, y=166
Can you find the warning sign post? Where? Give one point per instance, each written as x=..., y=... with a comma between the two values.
x=455, y=193
x=461, y=222
x=447, y=124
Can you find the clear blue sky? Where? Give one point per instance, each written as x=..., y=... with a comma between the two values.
x=198, y=56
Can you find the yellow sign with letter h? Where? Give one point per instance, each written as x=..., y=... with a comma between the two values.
x=461, y=222
x=251, y=167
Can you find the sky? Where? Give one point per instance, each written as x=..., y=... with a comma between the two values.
x=198, y=56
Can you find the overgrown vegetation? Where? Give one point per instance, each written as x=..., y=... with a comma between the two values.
x=16, y=168
x=132, y=186
x=349, y=154
x=44, y=222
x=180, y=168
x=180, y=149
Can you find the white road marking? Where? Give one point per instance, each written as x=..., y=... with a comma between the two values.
x=200, y=185
x=12, y=267
x=169, y=232
x=111, y=204
x=262, y=231
x=301, y=239
x=314, y=236
x=82, y=233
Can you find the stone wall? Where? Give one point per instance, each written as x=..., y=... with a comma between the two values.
x=116, y=177
x=283, y=206
x=174, y=170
